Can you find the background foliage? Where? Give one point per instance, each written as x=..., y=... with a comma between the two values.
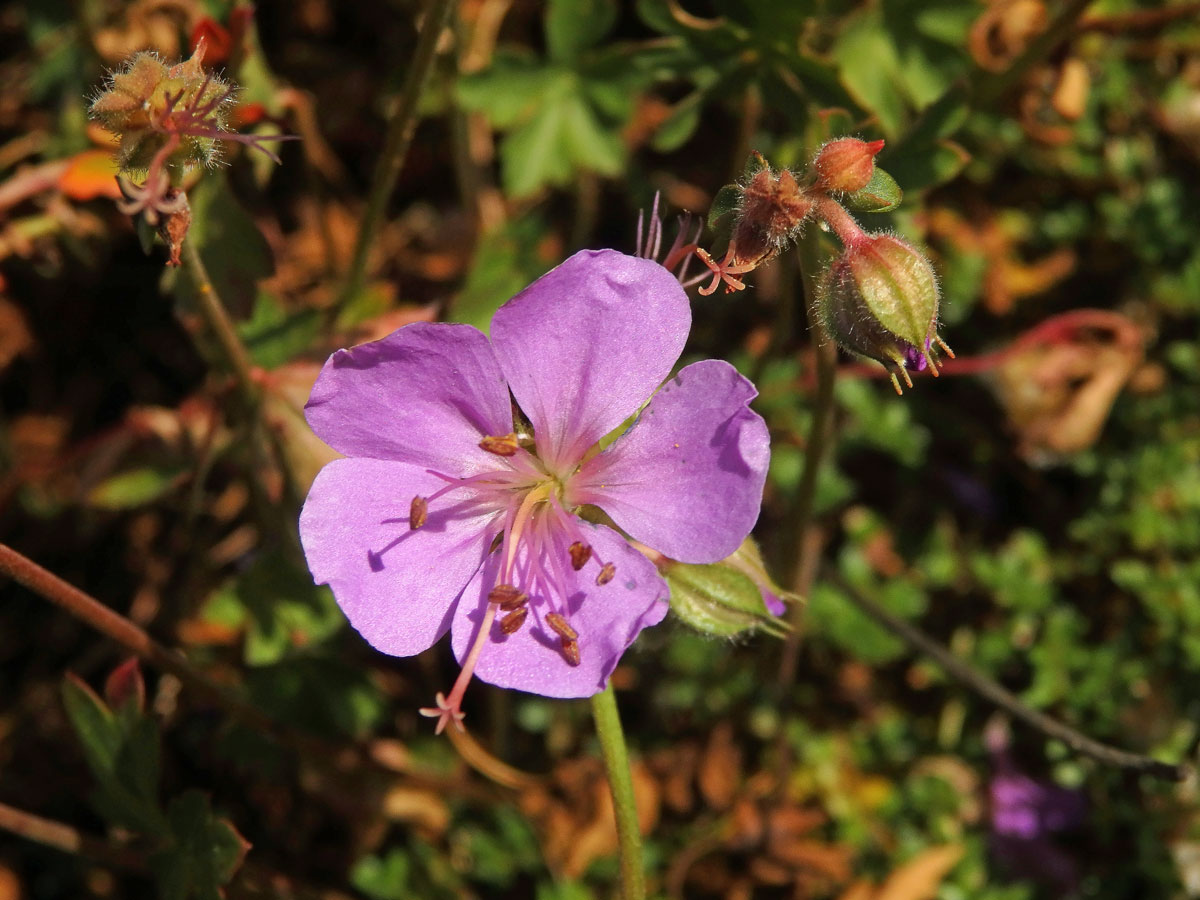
x=1037, y=509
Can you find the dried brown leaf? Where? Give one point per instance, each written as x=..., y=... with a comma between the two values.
x=921, y=876
x=720, y=768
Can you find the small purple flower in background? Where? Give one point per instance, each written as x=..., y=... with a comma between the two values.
x=446, y=516
x=1026, y=812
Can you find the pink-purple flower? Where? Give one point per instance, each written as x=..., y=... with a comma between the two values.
x=446, y=515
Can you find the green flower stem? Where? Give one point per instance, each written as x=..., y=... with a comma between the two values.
x=616, y=762
x=399, y=138
x=238, y=359
x=800, y=533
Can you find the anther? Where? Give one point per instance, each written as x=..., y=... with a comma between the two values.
x=580, y=554
x=507, y=596
x=560, y=625
x=570, y=649
x=607, y=571
x=502, y=445
x=512, y=623
x=418, y=512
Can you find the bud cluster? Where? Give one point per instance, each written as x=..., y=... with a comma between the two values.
x=168, y=120
x=879, y=298
x=178, y=111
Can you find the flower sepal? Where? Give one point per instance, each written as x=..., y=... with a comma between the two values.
x=718, y=599
x=881, y=194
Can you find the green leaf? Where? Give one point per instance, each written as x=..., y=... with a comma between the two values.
x=281, y=607
x=573, y=26
x=869, y=70
x=274, y=336
x=506, y=260
x=95, y=725
x=680, y=125
x=508, y=91
x=882, y=194
x=934, y=165
x=204, y=853
x=723, y=204
x=136, y=487
x=383, y=878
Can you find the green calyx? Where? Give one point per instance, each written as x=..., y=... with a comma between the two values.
x=717, y=599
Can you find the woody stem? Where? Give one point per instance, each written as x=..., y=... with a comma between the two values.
x=620, y=781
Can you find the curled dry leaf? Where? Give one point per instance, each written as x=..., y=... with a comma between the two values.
x=1004, y=30
x=720, y=768
x=1008, y=276
x=1058, y=396
x=573, y=812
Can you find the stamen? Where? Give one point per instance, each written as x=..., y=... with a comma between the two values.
x=507, y=596
x=570, y=524
x=607, y=571
x=512, y=623
x=580, y=554
x=418, y=512
x=501, y=445
x=570, y=650
x=561, y=626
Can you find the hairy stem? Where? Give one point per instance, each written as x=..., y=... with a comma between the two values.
x=239, y=362
x=801, y=534
x=1006, y=700
x=616, y=763
x=120, y=629
x=395, y=147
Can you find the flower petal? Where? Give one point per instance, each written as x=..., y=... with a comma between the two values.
x=607, y=618
x=586, y=344
x=425, y=394
x=687, y=478
x=395, y=585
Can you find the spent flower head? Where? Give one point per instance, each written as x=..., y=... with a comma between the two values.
x=455, y=512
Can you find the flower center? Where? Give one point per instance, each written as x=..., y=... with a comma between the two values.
x=540, y=544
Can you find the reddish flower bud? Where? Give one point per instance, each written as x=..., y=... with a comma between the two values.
x=846, y=164
x=879, y=299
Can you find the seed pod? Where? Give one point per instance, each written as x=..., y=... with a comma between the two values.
x=879, y=299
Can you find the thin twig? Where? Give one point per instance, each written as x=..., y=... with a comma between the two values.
x=331, y=757
x=1006, y=700
x=112, y=624
x=238, y=358
x=399, y=137
x=64, y=837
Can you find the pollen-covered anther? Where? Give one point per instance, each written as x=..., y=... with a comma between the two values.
x=512, y=623
x=501, y=445
x=580, y=554
x=561, y=626
x=607, y=571
x=507, y=596
x=418, y=512
x=570, y=649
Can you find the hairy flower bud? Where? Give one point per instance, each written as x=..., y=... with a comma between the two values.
x=879, y=299
x=846, y=164
x=154, y=107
